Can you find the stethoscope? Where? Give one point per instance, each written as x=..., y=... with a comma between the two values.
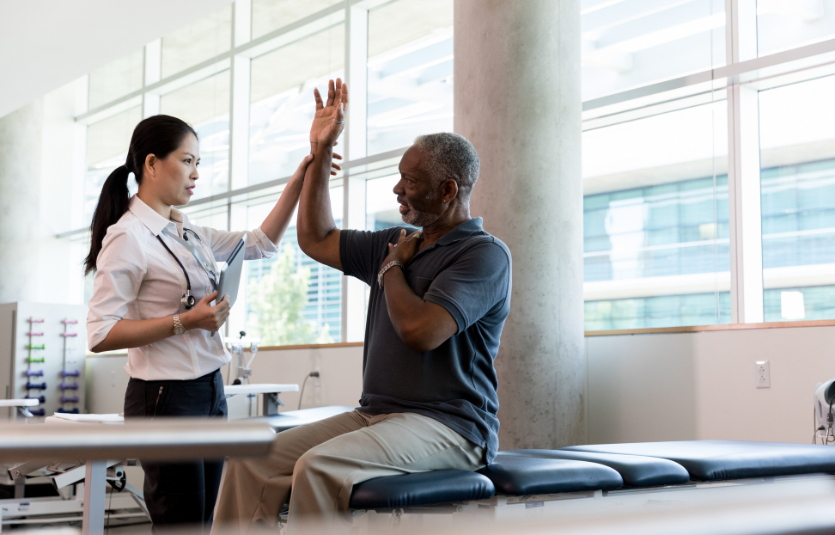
x=187, y=300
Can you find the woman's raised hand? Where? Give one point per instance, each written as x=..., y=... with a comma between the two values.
x=328, y=121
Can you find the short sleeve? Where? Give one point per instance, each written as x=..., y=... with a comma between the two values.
x=120, y=270
x=475, y=283
x=361, y=252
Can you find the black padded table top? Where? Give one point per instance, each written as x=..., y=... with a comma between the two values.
x=421, y=489
x=636, y=470
x=515, y=475
x=716, y=460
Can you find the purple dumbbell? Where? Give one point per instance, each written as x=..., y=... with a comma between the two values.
x=38, y=412
x=71, y=399
x=70, y=373
x=41, y=399
x=68, y=411
x=67, y=386
x=36, y=386
x=34, y=373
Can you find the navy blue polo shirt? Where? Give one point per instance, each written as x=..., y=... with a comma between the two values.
x=468, y=272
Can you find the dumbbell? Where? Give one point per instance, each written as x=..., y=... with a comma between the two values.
x=70, y=373
x=38, y=412
x=67, y=386
x=36, y=386
x=71, y=399
x=34, y=373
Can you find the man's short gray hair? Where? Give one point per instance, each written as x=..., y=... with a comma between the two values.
x=451, y=156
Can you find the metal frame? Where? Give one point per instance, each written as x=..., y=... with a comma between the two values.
x=738, y=82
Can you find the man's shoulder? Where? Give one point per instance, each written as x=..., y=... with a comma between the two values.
x=484, y=243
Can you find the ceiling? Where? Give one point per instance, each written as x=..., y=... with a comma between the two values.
x=45, y=44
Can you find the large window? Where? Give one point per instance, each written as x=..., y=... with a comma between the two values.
x=708, y=180
x=656, y=221
x=107, y=149
x=409, y=72
x=797, y=157
x=282, y=101
x=632, y=43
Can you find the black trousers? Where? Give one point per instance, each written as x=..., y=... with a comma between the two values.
x=181, y=492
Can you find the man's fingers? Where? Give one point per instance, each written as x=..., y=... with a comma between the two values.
x=330, y=93
x=337, y=156
x=337, y=99
x=318, y=98
x=345, y=96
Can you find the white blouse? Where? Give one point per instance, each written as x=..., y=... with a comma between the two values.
x=137, y=279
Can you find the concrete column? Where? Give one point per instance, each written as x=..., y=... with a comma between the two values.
x=517, y=99
x=20, y=174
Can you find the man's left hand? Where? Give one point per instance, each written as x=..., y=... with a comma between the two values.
x=405, y=248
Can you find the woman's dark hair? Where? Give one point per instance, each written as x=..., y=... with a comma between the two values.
x=159, y=135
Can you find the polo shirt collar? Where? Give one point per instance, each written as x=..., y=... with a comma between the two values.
x=150, y=218
x=462, y=231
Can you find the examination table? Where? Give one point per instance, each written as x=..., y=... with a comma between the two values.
x=596, y=480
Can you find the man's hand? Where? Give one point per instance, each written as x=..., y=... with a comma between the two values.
x=206, y=316
x=328, y=121
x=405, y=248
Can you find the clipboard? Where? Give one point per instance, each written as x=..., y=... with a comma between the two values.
x=230, y=275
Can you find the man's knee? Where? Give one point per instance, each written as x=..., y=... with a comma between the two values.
x=311, y=465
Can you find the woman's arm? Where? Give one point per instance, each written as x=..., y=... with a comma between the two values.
x=137, y=333
x=279, y=218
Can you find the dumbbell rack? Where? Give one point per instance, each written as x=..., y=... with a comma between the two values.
x=45, y=359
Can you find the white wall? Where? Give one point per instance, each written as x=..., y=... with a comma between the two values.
x=701, y=385
x=339, y=382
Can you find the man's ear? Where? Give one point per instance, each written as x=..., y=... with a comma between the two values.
x=449, y=190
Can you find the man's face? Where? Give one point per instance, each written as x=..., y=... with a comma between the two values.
x=418, y=193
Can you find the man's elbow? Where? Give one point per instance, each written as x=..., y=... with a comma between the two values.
x=419, y=339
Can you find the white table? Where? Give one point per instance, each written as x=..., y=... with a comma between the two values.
x=172, y=439
x=270, y=392
x=19, y=402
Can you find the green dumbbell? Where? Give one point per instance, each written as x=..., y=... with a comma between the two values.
x=36, y=359
x=33, y=346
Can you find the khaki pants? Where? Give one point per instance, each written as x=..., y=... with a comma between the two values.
x=322, y=462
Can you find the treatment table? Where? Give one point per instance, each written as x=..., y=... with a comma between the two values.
x=591, y=481
x=594, y=480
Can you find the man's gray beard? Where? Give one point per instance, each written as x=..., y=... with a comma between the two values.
x=419, y=219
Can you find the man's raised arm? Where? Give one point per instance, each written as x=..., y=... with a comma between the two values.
x=317, y=233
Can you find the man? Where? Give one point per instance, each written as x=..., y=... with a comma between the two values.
x=439, y=298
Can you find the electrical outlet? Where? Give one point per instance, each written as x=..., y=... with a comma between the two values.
x=763, y=374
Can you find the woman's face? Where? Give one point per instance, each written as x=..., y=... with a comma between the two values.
x=174, y=177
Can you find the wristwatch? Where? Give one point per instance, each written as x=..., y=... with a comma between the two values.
x=386, y=268
x=179, y=328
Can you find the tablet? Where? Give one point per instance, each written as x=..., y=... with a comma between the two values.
x=230, y=275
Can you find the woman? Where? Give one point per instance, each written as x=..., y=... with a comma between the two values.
x=154, y=290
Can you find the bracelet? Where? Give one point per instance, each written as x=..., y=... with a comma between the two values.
x=386, y=268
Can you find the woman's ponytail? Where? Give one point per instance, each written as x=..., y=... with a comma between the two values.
x=113, y=203
x=159, y=135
